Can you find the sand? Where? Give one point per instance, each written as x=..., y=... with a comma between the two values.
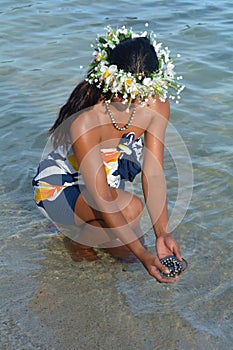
x=49, y=302
x=60, y=304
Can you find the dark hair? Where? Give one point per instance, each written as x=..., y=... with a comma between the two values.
x=83, y=96
x=132, y=55
x=135, y=55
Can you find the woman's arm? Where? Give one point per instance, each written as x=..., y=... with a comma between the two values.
x=153, y=182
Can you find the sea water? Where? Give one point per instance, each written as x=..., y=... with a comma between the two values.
x=43, y=44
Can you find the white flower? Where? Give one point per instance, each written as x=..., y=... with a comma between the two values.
x=170, y=67
x=122, y=30
x=134, y=35
x=112, y=69
x=102, y=67
x=165, y=54
x=144, y=34
x=157, y=47
x=147, y=81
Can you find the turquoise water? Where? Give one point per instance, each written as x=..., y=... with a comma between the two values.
x=43, y=43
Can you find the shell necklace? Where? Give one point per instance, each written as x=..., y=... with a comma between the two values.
x=114, y=121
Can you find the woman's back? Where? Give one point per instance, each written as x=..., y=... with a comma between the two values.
x=98, y=123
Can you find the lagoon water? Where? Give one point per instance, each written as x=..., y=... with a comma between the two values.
x=50, y=302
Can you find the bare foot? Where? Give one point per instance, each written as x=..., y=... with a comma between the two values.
x=123, y=253
x=80, y=252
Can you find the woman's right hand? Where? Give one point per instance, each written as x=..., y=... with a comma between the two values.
x=154, y=266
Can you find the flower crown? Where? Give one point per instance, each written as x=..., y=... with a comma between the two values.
x=133, y=86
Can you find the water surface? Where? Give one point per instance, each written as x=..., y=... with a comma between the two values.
x=50, y=302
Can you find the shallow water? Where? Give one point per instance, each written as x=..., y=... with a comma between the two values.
x=50, y=302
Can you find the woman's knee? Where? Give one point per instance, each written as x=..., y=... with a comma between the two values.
x=131, y=207
x=134, y=210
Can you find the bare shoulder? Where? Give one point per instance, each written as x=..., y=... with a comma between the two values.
x=158, y=122
x=87, y=118
x=161, y=108
x=86, y=122
x=85, y=134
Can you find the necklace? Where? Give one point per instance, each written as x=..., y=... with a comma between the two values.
x=114, y=121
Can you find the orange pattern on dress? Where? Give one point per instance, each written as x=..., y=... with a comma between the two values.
x=46, y=191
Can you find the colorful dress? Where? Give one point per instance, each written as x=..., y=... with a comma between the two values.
x=58, y=181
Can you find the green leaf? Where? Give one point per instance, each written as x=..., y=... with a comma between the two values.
x=102, y=40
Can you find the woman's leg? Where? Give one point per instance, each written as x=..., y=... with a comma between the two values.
x=93, y=231
x=78, y=251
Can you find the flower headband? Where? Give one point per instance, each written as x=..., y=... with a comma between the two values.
x=161, y=83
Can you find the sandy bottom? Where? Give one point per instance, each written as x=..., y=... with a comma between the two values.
x=51, y=302
x=60, y=304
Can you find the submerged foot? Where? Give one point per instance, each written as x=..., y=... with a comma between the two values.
x=80, y=252
x=123, y=253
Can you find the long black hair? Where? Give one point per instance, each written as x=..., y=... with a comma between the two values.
x=132, y=55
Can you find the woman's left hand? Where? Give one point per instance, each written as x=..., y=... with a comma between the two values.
x=154, y=267
x=166, y=245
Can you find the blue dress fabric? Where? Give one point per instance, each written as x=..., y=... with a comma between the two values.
x=129, y=161
x=58, y=181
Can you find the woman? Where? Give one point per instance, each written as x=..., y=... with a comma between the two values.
x=97, y=140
